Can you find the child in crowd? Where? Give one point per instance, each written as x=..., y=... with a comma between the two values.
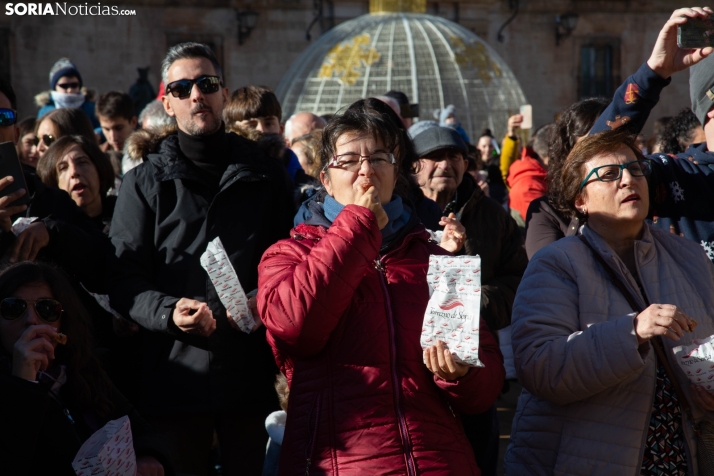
x=116, y=114
x=257, y=108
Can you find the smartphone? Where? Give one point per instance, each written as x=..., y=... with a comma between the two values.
x=696, y=33
x=527, y=113
x=10, y=166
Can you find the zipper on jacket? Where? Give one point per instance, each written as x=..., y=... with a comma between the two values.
x=411, y=467
x=312, y=441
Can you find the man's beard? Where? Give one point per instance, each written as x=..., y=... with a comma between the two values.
x=192, y=128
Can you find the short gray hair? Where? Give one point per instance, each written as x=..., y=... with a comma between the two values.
x=156, y=115
x=188, y=50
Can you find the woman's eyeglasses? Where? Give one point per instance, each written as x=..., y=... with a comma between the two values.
x=353, y=162
x=47, y=139
x=48, y=309
x=612, y=172
x=8, y=117
x=182, y=88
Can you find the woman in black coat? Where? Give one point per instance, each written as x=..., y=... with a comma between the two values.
x=54, y=396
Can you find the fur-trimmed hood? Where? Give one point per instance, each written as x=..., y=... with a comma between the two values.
x=143, y=142
x=44, y=98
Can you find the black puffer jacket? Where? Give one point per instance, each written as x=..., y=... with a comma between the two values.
x=164, y=218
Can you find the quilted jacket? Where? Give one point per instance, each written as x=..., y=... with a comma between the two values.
x=588, y=387
x=344, y=319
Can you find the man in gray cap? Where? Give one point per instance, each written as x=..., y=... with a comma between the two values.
x=683, y=187
x=491, y=233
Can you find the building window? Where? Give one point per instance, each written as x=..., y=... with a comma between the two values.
x=599, y=69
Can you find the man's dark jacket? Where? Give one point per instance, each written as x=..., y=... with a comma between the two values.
x=492, y=234
x=165, y=216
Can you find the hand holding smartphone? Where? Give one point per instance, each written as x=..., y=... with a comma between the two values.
x=527, y=113
x=696, y=33
x=13, y=187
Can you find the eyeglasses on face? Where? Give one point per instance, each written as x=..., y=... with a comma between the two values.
x=47, y=139
x=612, y=172
x=66, y=86
x=353, y=162
x=8, y=117
x=182, y=88
x=48, y=309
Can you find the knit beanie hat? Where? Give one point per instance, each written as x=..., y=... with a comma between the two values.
x=701, y=87
x=63, y=67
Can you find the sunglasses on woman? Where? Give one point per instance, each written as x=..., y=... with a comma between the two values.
x=47, y=139
x=48, y=309
x=182, y=88
x=8, y=117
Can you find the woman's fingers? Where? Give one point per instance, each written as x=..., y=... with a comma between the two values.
x=702, y=397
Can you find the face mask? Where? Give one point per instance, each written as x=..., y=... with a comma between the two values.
x=65, y=100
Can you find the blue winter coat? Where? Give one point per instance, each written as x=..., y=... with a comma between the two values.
x=87, y=107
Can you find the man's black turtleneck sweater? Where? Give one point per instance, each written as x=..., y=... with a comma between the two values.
x=209, y=153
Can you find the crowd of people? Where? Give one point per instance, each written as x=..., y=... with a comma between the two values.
x=596, y=250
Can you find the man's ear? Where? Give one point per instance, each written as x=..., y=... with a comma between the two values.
x=167, y=105
x=710, y=114
x=134, y=121
x=225, y=94
x=17, y=134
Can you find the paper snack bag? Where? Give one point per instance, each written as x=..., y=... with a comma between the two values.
x=454, y=308
x=220, y=270
x=697, y=361
x=108, y=452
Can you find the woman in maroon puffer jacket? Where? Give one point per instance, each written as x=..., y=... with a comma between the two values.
x=343, y=301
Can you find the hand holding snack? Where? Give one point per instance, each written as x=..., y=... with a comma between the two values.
x=367, y=197
x=194, y=317
x=440, y=362
x=662, y=320
x=148, y=466
x=454, y=234
x=34, y=351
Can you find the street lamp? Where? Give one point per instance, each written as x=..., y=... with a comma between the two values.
x=247, y=19
x=564, y=26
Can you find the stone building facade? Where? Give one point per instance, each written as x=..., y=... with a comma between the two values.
x=611, y=39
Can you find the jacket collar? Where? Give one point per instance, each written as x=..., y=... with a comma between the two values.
x=315, y=227
x=699, y=153
x=170, y=164
x=468, y=191
x=644, y=253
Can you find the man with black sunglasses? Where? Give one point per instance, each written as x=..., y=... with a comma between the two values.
x=200, y=375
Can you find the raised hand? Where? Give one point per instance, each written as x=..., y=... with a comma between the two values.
x=667, y=57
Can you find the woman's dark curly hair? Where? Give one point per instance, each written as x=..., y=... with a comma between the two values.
x=573, y=123
x=373, y=117
x=86, y=381
x=679, y=132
